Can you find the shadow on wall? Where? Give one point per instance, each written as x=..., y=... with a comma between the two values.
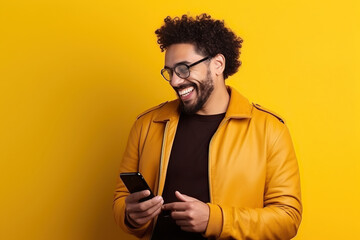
x=112, y=117
x=95, y=127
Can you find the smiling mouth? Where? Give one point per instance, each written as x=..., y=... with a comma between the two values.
x=185, y=92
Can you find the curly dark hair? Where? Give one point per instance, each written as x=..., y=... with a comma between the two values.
x=210, y=37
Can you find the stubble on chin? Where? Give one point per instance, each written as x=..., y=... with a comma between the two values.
x=203, y=93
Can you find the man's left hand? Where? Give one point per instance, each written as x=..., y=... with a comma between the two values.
x=190, y=214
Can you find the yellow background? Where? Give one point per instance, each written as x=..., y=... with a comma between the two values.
x=75, y=74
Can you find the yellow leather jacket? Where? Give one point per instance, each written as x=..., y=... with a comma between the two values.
x=253, y=172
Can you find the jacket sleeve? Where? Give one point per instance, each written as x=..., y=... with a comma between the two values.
x=280, y=216
x=130, y=163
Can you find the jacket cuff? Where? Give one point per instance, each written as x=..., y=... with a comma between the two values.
x=215, y=223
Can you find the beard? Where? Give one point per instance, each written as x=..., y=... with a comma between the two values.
x=203, y=92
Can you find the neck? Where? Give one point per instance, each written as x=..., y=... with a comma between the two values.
x=217, y=103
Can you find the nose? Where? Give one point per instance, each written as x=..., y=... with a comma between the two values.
x=175, y=80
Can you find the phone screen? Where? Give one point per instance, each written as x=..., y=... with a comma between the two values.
x=135, y=182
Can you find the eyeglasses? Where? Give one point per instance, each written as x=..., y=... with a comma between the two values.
x=182, y=70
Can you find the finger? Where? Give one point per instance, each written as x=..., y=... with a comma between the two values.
x=184, y=198
x=175, y=206
x=183, y=223
x=144, y=206
x=180, y=215
x=144, y=220
x=135, y=197
x=148, y=212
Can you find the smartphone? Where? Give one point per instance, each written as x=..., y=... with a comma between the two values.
x=135, y=182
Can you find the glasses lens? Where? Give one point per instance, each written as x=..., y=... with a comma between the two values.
x=182, y=71
x=166, y=73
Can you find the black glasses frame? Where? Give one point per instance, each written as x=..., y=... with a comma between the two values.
x=172, y=70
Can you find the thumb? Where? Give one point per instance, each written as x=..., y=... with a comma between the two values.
x=183, y=197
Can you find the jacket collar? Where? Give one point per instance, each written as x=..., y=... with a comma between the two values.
x=239, y=107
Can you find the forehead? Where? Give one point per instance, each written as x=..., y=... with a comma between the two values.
x=180, y=52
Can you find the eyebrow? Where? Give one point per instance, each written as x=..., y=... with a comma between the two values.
x=183, y=62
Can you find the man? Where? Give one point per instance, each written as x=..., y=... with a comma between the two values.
x=221, y=167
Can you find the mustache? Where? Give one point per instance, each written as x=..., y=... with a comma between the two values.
x=181, y=87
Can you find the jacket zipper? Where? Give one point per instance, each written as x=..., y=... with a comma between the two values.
x=209, y=158
x=160, y=167
x=162, y=154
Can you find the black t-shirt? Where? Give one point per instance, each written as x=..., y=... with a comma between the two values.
x=187, y=171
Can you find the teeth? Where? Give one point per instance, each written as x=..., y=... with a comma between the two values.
x=186, y=91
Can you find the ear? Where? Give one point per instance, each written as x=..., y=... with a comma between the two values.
x=219, y=64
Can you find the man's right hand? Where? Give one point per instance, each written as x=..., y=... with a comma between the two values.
x=139, y=213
